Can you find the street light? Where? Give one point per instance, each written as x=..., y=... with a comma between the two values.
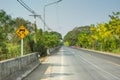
x=45, y=9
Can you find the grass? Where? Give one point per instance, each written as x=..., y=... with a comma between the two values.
x=14, y=49
x=42, y=59
x=116, y=51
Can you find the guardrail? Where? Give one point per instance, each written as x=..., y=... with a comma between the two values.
x=16, y=68
x=51, y=50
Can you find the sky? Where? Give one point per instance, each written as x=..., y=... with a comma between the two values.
x=65, y=15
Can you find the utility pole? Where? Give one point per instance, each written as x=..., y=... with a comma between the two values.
x=35, y=27
x=34, y=14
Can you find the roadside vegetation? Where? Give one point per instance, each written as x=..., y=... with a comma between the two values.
x=10, y=42
x=102, y=37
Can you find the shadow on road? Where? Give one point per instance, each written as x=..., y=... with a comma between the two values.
x=43, y=71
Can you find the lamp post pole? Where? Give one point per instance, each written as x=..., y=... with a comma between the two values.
x=44, y=18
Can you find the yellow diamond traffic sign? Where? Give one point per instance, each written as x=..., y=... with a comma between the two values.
x=22, y=32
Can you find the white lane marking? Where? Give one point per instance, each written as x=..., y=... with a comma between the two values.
x=100, y=68
x=61, y=70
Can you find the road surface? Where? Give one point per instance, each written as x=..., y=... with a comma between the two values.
x=73, y=64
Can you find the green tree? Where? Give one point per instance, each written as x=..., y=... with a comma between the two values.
x=72, y=36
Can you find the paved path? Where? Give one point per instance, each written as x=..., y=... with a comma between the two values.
x=73, y=64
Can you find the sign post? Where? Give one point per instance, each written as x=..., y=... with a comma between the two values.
x=22, y=32
x=21, y=47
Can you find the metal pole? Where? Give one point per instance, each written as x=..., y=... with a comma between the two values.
x=21, y=47
x=35, y=29
x=35, y=26
x=44, y=18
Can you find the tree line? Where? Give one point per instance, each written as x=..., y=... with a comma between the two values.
x=103, y=36
x=10, y=42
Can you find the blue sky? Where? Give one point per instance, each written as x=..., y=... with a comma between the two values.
x=67, y=14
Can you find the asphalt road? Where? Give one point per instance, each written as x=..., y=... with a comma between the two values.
x=73, y=64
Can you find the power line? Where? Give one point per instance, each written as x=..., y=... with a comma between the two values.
x=26, y=7
x=34, y=14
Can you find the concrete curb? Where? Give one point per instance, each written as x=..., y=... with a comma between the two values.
x=100, y=52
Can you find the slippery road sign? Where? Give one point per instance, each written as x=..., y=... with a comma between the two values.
x=22, y=32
